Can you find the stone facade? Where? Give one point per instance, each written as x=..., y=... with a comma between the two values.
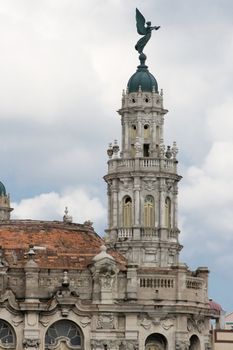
x=63, y=287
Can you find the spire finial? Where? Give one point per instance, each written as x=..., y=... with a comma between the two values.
x=67, y=218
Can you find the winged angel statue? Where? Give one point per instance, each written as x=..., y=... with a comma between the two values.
x=143, y=30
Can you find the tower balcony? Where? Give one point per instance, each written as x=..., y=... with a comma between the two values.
x=146, y=233
x=142, y=164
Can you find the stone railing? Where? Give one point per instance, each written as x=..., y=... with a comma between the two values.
x=194, y=283
x=149, y=232
x=125, y=232
x=158, y=282
x=155, y=164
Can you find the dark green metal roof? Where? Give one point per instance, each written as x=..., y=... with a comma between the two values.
x=142, y=78
x=2, y=189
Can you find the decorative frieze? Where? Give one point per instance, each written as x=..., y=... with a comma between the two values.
x=97, y=344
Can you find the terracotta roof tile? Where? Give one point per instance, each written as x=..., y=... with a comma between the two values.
x=58, y=244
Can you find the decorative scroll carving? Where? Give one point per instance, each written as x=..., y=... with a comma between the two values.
x=44, y=321
x=167, y=323
x=85, y=321
x=31, y=343
x=17, y=320
x=149, y=184
x=127, y=183
x=195, y=325
x=146, y=323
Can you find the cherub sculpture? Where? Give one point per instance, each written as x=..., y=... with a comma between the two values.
x=143, y=30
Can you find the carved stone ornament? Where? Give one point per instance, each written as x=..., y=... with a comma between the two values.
x=195, y=325
x=105, y=321
x=182, y=345
x=127, y=183
x=17, y=320
x=31, y=343
x=167, y=323
x=114, y=344
x=107, y=276
x=10, y=296
x=146, y=323
x=85, y=321
x=128, y=345
x=149, y=184
x=44, y=321
x=207, y=346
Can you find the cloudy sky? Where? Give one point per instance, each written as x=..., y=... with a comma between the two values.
x=63, y=66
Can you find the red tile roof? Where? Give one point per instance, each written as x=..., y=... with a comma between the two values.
x=58, y=245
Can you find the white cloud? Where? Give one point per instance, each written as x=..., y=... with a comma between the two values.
x=81, y=203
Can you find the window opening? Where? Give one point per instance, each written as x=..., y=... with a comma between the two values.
x=146, y=131
x=149, y=212
x=168, y=212
x=157, y=135
x=6, y=335
x=63, y=331
x=127, y=212
x=133, y=131
x=146, y=151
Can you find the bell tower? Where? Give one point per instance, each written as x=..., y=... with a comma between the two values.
x=142, y=178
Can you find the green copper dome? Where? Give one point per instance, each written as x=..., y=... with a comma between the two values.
x=2, y=189
x=142, y=78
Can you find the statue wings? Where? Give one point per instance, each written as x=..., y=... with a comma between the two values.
x=140, y=20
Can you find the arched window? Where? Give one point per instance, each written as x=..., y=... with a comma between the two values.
x=146, y=131
x=63, y=334
x=194, y=343
x=133, y=132
x=156, y=341
x=7, y=336
x=149, y=212
x=168, y=212
x=127, y=211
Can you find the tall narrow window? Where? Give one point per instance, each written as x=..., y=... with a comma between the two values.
x=146, y=131
x=157, y=135
x=168, y=212
x=132, y=151
x=146, y=151
x=133, y=132
x=127, y=211
x=149, y=212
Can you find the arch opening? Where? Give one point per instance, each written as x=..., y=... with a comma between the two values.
x=149, y=211
x=127, y=211
x=63, y=334
x=156, y=341
x=194, y=343
x=7, y=336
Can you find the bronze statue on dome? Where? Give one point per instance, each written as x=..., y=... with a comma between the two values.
x=143, y=30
